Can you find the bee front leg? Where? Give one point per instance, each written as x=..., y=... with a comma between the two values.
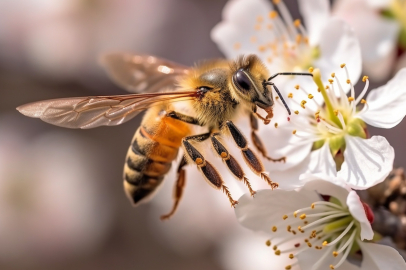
x=178, y=190
x=231, y=162
x=257, y=141
x=249, y=156
x=184, y=118
x=206, y=168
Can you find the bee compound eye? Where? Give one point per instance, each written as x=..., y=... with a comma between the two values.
x=241, y=80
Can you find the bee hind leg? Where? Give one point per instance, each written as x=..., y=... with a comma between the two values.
x=178, y=190
x=231, y=162
x=257, y=141
x=205, y=167
x=253, y=162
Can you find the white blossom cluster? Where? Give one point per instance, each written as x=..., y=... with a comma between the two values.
x=316, y=220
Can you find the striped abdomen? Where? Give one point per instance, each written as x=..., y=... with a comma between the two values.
x=154, y=146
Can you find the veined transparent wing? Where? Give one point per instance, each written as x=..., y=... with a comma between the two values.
x=142, y=73
x=91, y=112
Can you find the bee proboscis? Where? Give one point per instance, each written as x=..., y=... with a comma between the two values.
x=214, y=92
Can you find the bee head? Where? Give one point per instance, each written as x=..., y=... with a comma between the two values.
x=249, y=75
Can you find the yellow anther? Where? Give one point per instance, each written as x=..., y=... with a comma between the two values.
x=268, y=243
x=273, y=14
x=302, y=216
x=310, y=96
x=290, y=95
x=285, y=217
x=318, y=90
x=253, y=39
x=299, y=228
x=276, y=97
x=335, y=253
x=303, y=106
x=237, y=46
x=330, y=80
x=297, y=87
x=336, y=112
x=274, y=229
x=288, y=267
x=296, y=23
x=295, y=214
x=342, y=65
x=333, y=74
x=350, y=98
x=365, y=78
x=293, y=231
x=303, y=102
x=262, y=48
x=311, y=69
x=296, y=112
x=291, y=256
x=223, y=154
x=260, y=19
x=275, y=247
x=325, y=243
x=305, y=222
x=313, y=205
x=277, y=252
x=331, y=266
x=348, y=81
x=327, y=87
x=199, y=161
x=294, y=131
x=363, y=101
x=288, y=228
x=306, y=240
x=276, y=1
x=309, y=244
x=276, y=125
x=298, y=38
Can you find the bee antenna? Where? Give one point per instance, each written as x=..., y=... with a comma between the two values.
x=280, y=95
x=290, y=73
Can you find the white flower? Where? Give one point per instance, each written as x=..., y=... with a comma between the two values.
x=380, y=26
x=253, y=26
x=336, y=130
x=317, y=233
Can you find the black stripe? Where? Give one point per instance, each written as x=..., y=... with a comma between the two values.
x=136, y=148
x=137, y=164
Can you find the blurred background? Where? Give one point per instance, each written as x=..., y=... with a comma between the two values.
x=62, y=204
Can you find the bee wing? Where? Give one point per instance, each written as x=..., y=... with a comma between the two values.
x=90, y=112
x=142, y=73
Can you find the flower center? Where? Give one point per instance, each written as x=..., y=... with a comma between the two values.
x=337, y=117
x=325, y=225
x=283, y=41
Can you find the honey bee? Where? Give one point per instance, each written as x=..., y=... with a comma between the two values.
x=213, y=92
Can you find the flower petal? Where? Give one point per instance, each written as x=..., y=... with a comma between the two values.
x=238, y=26
x=366, y=161
x=322, y=161
x=377, y=257
x=310, y=257
x=327, y=186
x=386, y=104
x=268, y=206
x=377, y=36
x=315, y=14
x=358, y=212
x=339, y=45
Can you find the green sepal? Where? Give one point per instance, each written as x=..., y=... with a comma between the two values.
x=357, y=128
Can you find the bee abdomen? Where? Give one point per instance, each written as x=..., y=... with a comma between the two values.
x=149, y=158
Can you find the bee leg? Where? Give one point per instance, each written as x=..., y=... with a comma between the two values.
x=257, y=141
x=184, y=118
x=250, y=158
x=208, y=171
x=231, y=162
x=178, y=190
